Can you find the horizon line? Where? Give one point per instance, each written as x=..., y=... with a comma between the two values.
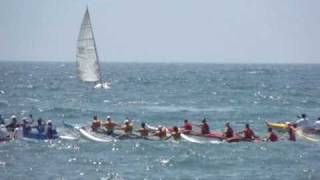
x=160, y=62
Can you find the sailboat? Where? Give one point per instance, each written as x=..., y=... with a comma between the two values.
x=87, y=55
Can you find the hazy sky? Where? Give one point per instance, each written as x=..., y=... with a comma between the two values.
x=253, y=31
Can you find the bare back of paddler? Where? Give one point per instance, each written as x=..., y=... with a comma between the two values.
x=292, y=132
x=144, y=132
x=176, y=134
x=127, y=127
x=161, y=133
x=109, y=125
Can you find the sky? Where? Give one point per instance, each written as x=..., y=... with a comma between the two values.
x=214, y=31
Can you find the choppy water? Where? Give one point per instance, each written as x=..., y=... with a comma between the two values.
x=161, y=94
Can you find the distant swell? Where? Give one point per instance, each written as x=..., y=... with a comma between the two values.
x=188, y=109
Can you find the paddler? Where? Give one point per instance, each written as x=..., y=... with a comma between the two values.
x=30, y=119
x=50, y=130
x=127, y=127
x=144, y=132
x=271, y=136
x=109, y=125
x=303, y=121
x=228, y=131
x=176, y=134
x=187, y=127
x=315, y=128
x=18, y=132
x=205, y=129
x=292, y=132
x=161, y=132
x=95, y=125
x=26, y=127
x=316, y=124
x=40, y=125
x=248, y=133
x=13, y=124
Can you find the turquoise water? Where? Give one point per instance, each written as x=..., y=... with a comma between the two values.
x=161, y=94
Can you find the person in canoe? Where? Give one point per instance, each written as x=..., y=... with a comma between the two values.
x=248, y=133
x=314, y=129
x=187, y=127
x=271, y=136
x=302, y=121
x=18, y=132
x=51, y=132
x=40, y=126
x=292, y=132
x=13, y=124
x=205, y=129
x=26, y=127
x=228, y=131
x=144, y=131
x=30, y=119
x=316, y=124
x=109, y=125
x=95, y=125
x=161, y=132
x=175, y=134
x=127, y=127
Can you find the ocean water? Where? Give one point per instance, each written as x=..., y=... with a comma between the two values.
x=163, y=94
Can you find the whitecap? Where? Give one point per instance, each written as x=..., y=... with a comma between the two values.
x=32, y=99
x=106, y=101
x=252, y=72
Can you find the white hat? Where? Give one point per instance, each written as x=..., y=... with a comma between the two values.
x=49, y=121
x=108, y=117
x=13, y=117
x=24, y=119
x=126, y=121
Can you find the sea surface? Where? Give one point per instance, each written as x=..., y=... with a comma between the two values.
x=163, y=94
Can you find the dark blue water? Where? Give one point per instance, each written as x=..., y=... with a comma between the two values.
x=161, y=94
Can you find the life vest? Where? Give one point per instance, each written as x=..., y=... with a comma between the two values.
x=187, y=126
x=248, y=133
x=95, y=125
x=229, y=132
x=128, y=128
x=273, y=136
x=205, y=129
x=109, y=125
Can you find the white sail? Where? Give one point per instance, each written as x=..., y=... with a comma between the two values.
x=87, y=56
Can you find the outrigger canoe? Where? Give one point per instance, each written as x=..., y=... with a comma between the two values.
x=218, y=135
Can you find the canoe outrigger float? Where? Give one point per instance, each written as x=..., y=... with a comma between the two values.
x=278, y=125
